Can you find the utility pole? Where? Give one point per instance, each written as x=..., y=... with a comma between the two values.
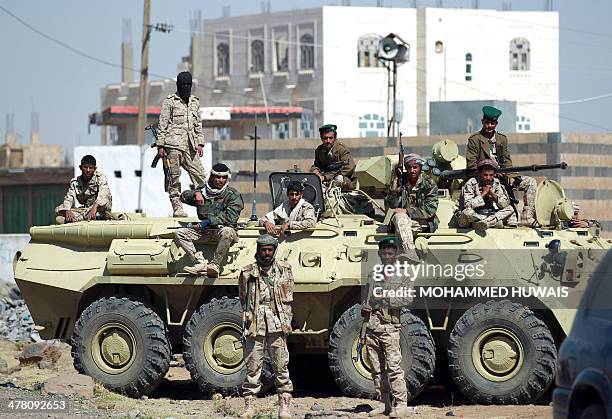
x=144, y=72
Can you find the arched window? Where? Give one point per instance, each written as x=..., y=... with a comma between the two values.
x=223, y=59
x=371, y=125
x=257, y=56
x=520, y=55
x=306, y=51
x=468, y=67
x=366, y=51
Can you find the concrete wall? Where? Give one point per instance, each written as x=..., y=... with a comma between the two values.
x=9, y=245
x=462, y=117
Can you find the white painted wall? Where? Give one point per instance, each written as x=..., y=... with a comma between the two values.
x=126, y=158
x=9, y=245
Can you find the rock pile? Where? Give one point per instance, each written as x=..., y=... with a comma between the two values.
x=16, y=322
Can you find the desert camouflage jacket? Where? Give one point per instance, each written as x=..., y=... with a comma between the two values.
x=421, y=201
x=222, y=210
x=267, y=298
x=471, y=198
x=386, y=296
x=96, y=190
x=180, y=124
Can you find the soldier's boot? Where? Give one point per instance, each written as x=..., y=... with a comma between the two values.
x=177, y=207
x=60, y=219
x=400, y=411
x=212, y=270
x=249, y=407
x=384, y=408
x=480, y=225
x=527, y=217
x=283, y=406
x=512, y=221
x=199, y=267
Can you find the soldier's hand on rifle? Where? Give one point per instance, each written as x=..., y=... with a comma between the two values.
x=366, y=310
x=161, y=151
x=91, y=214
x=199, y=198
x=270, y=228
x=69, y=217
x=202, y=225
x=200, y=150
x=282, y=228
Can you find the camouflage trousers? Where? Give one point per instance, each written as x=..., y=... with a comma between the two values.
x=383, y=349
x=529, y=187
x=79, y=214
x=501, y=217
x=276, y=343
x=188, y=160
x=225, y=236
x=404, y=229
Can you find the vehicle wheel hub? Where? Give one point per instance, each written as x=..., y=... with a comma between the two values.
x=228, y=350
x=497, y=354
x=115, y=349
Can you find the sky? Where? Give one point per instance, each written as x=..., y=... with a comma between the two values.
x=64, y=86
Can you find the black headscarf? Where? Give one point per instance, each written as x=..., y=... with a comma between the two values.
x=183, y=85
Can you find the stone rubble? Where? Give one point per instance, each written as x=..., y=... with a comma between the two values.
x=16, y=322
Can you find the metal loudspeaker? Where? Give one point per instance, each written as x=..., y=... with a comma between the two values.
x=390, y=49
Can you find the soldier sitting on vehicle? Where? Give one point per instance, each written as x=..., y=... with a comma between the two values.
x=218, y=206
x=294, y=214
x=90, y=190
x=415, y=201
x=484, y=202
x=333, y=162
x=382, y=315
x=266, y=295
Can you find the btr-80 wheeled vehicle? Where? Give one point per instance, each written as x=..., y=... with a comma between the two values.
x=116, y=290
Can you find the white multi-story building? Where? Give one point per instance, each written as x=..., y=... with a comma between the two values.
x=322, y=60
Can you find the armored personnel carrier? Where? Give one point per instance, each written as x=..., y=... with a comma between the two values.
x=116, y=290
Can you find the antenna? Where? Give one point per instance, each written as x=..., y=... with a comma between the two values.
x=254, y=207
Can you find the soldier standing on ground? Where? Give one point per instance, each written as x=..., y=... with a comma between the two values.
x=383, y=334
x=414, y=201
x=294, y=214
x=490, y=144
x=266, y=294
x=483, y=202
x=219, y=206
x=91, y=191
x=180, y=137
x=333, y=162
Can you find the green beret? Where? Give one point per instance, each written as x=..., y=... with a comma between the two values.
x=491, y=113
x=267, y=240
x=327, y=128
x=388, y=242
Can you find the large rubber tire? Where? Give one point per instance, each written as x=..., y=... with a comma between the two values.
x=353, y=378
x=595, y=410
x=128, y=333
x=520, y=360
x=213, y=351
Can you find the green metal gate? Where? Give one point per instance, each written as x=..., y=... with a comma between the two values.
x=44, y=200
x=14, y=209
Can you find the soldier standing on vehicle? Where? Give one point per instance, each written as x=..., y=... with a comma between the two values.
x=266, y=294
x=483, y=202
x=490, y=144
x=89, y=190
x=415, y=201
x=382, y=315
x=218, y=206
x=294, y=214
x=333, y=162
x=180, y=137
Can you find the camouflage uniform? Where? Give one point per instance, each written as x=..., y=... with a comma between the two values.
x=304, y=216
x=480, y=147
x=269, y=310
x=180, y=133
x=421, y=203
x=471, y=201
x=338, y=153
x=87, y=194
x=223, y=212
x=383, y=337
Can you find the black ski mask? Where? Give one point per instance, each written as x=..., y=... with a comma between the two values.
x=183, y=85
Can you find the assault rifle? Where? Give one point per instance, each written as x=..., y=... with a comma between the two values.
x=164, y=159
x=505, y=181
x=332, y=167
x=364, y=326
x=468, y=173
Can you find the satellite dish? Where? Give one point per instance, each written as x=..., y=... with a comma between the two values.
x=390, y=50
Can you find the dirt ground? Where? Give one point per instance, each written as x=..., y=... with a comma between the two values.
x=178, y=397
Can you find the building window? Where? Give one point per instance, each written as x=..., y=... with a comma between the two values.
x=306, y=52
x=372, y=125
x=257, y=56
x=523, y=124
x=281, y=49
x=520, y=55
x=280, y=130
x=468, y=67
x=366, y=51
x=223, y=55
x=307, y=120
x=222, y=133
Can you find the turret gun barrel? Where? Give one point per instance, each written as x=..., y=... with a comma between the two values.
x=468, y=173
